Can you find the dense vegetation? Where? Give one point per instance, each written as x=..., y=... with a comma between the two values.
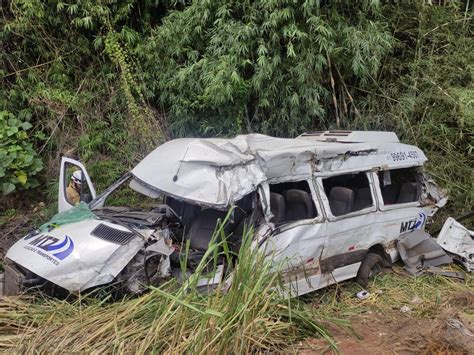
x=106, y=80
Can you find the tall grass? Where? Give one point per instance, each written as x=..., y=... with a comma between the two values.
x=249, y=316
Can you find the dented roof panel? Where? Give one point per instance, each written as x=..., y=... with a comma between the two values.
x=219, y=171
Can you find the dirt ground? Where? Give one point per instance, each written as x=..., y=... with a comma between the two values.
x=373, y=332
x=400, y=334
x=393, y=332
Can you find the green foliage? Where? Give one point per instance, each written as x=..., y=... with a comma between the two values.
x=140, y=125
x=20, y=163
x=235, y=66
x=425, y=93
x=7, y=216
x=56, y=72
x=107, y=80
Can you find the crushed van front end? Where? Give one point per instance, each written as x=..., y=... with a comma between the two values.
x=74, y=256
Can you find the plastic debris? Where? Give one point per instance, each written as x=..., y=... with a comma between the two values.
x=405, y=309
x=416, y=300
x=419, y=251
x=362, y=295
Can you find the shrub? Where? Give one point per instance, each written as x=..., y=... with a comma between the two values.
x=19, y=161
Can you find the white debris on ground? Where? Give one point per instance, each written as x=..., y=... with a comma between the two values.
x=458, y=241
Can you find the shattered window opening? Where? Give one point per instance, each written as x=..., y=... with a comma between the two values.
x=127, y=196
x=399, y=186
x=348, y=193
x=291, y=201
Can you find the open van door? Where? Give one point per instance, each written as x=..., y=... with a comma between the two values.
x=83, y=191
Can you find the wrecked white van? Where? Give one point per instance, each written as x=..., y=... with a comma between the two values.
x=327, y=205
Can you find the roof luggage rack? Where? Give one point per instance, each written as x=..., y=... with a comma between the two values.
x=345, y=136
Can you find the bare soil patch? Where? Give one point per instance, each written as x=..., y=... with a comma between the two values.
x=451, y=331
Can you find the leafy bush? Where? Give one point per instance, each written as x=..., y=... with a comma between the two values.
x=241, y=66
x=20, y=163
x=152, y=70
x=425, y=93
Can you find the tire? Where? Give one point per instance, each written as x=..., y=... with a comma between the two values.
x=372, y=265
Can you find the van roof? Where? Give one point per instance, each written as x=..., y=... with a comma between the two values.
x=219, y=171
x=352, y=136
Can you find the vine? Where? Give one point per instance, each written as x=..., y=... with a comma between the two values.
x=142, y=124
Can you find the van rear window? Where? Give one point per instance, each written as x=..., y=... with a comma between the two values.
x=399, y=186
x=348, y=193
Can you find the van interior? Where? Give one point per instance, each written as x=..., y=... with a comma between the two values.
x=197, y=225
x=348, y=193
x=291, y=201
x=399, y=186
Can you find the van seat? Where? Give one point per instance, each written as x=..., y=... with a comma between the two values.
x=203, y=227
x=341, y=200
x=277, y=207
x=363, y=199
x=299, y=205
x=389, y=194
x=408, y=193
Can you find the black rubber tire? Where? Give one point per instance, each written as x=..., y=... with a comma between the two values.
x=371, y=265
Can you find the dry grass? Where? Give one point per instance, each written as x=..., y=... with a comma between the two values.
x=251, y=317
x=437, y=316
x=425, y=295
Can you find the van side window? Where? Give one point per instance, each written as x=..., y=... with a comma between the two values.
x=399, y=186
x=348, y=193
x=291, y=201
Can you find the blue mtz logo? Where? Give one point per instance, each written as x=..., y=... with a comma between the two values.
x=412, y=224
x=58, y=248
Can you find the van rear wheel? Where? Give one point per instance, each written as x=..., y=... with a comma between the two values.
x=371, y=265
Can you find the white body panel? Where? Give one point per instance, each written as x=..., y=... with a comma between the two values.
x=217, y=171
x=302, y=251
x=297, y=245
x=458, y=240
x=73, y=259
x=320, y=252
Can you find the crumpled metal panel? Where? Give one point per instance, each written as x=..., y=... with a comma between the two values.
x=217, y=172
x=458, y=240
x=210, y=172
x=432, y=193
x=73, y=259
x=418, y=251
x=353, y=136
